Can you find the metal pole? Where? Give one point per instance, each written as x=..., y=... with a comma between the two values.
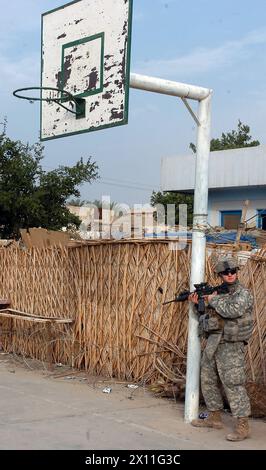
x=203, y=95
x=168, y=87
x=197, y=274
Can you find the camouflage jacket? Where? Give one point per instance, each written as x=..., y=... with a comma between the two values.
x=235, y=310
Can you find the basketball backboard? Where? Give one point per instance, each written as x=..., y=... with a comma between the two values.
x=86, y=52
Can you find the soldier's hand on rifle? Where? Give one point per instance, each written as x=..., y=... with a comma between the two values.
x=209, y=297
x=193, y=298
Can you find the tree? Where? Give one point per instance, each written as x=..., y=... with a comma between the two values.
x=174, y=198
x=32, y=197
x=232, y=140
x=77, y=202
x=112, y=205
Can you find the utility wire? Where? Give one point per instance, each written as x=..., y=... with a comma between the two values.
x=122, y=185
x=126, y=181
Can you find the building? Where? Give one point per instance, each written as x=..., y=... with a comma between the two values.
x=234, y=176
x=125, y=222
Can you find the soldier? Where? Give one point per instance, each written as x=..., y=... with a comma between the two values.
x=227, y=326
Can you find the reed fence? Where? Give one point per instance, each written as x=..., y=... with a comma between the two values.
x=110, y=289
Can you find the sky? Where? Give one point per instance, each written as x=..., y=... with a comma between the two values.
x=209, y=43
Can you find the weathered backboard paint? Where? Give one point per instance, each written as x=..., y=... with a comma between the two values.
x=86, y=51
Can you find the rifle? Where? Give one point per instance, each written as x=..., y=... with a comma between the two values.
x=201, y=289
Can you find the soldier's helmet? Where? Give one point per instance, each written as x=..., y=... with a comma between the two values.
x=225, y=263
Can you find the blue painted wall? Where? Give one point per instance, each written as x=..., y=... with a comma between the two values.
x=237, y=194
x=233, y=199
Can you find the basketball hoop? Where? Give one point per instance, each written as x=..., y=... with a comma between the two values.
x=65, y=97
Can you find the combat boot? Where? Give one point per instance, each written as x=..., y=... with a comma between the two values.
x=214, y=420
x=241, y=430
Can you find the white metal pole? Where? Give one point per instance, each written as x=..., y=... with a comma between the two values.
x=168, y=87
x=197, y=274
x=203, y=95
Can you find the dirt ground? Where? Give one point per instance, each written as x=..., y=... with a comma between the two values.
x=66, y=409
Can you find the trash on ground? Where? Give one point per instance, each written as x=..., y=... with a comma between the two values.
x=132, y=386
x=107, y=390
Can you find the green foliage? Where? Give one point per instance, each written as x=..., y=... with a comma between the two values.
x=174, y=198
x=77, y=202
x=232, y=140
x=112, y=205
x=97, y=203
x=31, y=197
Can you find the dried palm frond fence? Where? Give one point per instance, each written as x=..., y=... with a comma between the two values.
x=110, y=290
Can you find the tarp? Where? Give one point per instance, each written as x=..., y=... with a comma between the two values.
x=219, y=237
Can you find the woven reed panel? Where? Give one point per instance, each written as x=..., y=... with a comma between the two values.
x=110, y=289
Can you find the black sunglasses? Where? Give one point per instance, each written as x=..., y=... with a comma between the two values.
x=229, y=271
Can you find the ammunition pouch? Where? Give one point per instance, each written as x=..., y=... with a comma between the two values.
x=210, y=323
x=239, y=329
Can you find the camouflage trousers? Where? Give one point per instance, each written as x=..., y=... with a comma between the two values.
x=228, y=366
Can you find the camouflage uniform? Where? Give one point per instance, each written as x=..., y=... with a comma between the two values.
x=227, y=328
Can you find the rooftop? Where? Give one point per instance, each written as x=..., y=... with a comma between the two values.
x=237, y=168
